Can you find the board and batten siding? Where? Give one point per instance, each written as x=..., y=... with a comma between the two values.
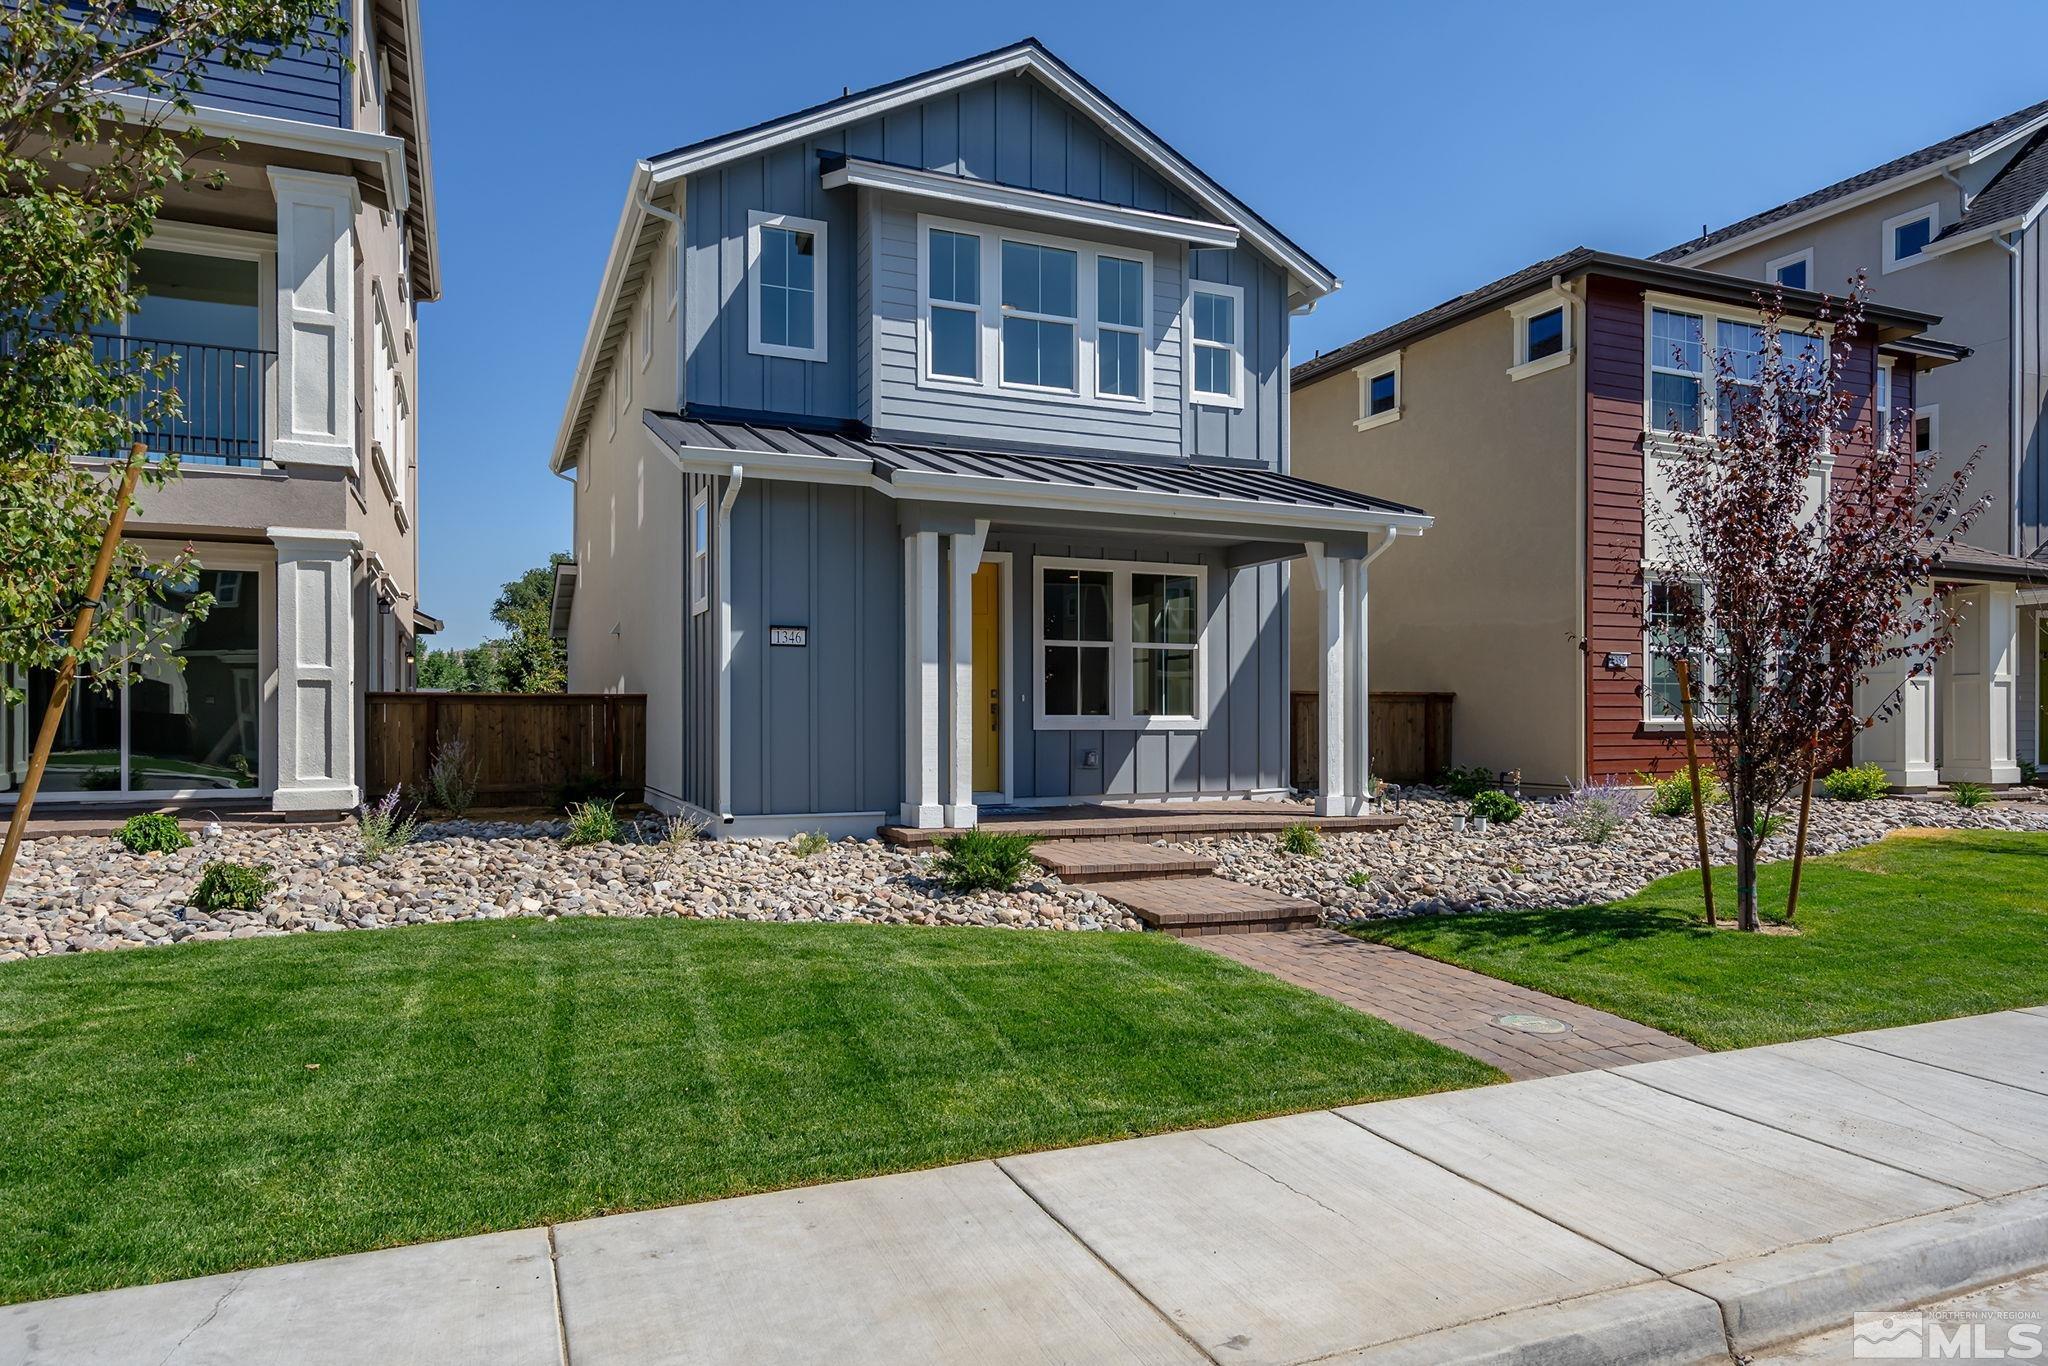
x=1619, y=743
x=816, y=728
x=938, y=412
x=1243, y=746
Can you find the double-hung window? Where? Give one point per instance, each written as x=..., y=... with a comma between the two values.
x=700, y=551
x=1119, y=327
x=1882, y=436
x=1041, y=336
x=786, y=286
x=1216, y=345
x=1119, y=645
x=953, y=294
x=1678, y=374
x=1669, y=600
x=1013, y=313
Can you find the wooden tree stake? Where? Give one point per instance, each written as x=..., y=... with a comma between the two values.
x=1692, y=767
x=1799, y=849
x=67, y=672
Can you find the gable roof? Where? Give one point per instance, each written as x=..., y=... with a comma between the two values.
x=1890, y=323
x=639, y=230
x=2012, y=200
x=1963, y=149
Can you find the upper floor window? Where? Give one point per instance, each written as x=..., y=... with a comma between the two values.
x=1057, y=319
x=700, y=551
x=1683, y=369
x=1927, y=429
x=1119, y=327
x=646, y=333
x=786, y=286
x=1040, y=313
x=1216, y=332
x=953, y=290
x=1677, y=370
x=1906, y=236
x=1792, y=272
x=1379, y=392
x=1882, y=436
x=1543, y=335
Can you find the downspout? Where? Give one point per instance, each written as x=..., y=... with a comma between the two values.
x=2014, y=452
x=725, y=502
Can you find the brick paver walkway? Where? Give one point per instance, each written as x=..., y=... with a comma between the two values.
x=1457, y=1008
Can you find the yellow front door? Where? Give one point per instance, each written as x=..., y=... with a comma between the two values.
x=988, y=678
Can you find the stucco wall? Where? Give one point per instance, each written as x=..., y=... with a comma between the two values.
x=1969, y=289
x=630, y=533
x=1485, y=603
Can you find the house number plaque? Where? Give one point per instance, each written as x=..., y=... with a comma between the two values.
x=798, y=636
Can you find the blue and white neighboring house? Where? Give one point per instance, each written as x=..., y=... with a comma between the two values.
x=930, y=449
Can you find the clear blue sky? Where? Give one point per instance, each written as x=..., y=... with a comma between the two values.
x=1418, y=150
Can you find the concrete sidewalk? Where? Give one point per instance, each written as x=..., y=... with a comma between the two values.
x=1671, y=1211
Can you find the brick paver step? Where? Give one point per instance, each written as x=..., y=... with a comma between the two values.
x=1118, y=860
x=1190, y=906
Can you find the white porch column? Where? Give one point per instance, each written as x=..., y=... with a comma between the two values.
x=1979, y=710
x=963, y=556
x=921, y=807
x=1331, y=711
x=1357, y=695
x=316, y=305
x=1903, y=745
x=316, y=712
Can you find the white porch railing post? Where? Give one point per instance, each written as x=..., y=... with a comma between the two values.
x=963, y=555
x=1357, y=695
x=1331, y=711
x=921, y=807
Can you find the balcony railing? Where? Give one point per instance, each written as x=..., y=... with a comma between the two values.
x=223, y=399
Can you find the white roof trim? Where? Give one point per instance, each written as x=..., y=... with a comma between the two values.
x=1155, y=153
x=347, y=143
x=985, y=194
x=623, y=238
x=1931, y=171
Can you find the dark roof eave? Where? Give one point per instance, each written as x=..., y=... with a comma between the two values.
x=1892, y=324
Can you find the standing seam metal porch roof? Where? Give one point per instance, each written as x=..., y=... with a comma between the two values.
x=886, y=459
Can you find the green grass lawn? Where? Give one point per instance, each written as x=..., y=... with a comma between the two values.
x=1920, y=927
x=174, y=1112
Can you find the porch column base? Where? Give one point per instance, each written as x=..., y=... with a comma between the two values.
x=963, y=817
x=1980, y=713
x=316, y=683
x=922, y=817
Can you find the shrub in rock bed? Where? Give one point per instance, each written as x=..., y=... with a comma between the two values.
x=1672, y=796
x=981, y=861
x=1301, y=838
x=229, y=886
x=380, y=828
x=1597, y=810
x=1466, y=782
x=1863, y=783
x=153, y=832
x=810, y=844
x=593, y=822
x=1497, y=807
x=1969, y=795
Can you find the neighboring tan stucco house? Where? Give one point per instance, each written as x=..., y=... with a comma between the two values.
x=1534, y=417
x=290, y=299
x=930, y=450
x=1953, y=229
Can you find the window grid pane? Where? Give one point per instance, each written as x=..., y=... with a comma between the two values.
x=1116, y=364
x=1546, y=334
x=1382, y=393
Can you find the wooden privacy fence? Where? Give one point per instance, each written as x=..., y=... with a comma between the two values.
x=1410, y=737
x=523, y=746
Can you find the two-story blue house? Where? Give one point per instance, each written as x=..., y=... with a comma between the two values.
x=930, y=449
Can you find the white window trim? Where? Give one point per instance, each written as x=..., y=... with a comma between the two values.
x=1520, y=367
x=1932, y=413
x=1199, y=398
x=1709, y=315
x=1701, y=686
x=1087, y=326
x=673, y=271
x=645, y=319
x=1367, y=373
x=700, y=555
x=821, y=280
x=1930, y=212
x=1884, y=398
x=1775, y=264
x=615, y=407
x=1123, y=716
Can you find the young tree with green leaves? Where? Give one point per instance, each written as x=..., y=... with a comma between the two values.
x=69, y=239
x=530, y=659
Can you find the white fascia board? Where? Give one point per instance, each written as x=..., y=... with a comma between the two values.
x=2011, y=137
x=983, y=194
x=1944, y=246
x=1156, y=154
x=997, y=492
x=623, y=239
x=347, y=143
x=416, y=76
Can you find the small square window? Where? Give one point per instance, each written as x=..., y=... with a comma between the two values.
x=1381, y=396
x=1546, y=334
x=1379, y=392
x=1908, y=235
x=1910, y=239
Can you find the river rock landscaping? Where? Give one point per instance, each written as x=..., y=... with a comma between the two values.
x=1540, y=860
x=74, y=893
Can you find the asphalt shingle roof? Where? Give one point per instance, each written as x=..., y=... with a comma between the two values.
x=2012, y=192
x=1876, y=175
